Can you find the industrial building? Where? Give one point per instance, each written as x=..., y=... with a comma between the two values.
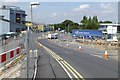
x=111, y=30
x=12, y=19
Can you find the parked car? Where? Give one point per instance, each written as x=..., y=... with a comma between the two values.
x=3, y=37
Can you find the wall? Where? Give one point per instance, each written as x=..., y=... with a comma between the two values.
x=4, y=27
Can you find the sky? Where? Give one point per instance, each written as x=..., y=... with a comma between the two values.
x=58, y=11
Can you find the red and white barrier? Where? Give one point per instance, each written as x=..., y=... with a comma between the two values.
x=8, y=55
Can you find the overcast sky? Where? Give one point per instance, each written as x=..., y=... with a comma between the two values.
x=56, y=12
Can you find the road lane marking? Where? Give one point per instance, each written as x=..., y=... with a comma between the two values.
x=74, y=70
x=64, y=68
x=97, y=55
x=70, y=70
x=64, y=64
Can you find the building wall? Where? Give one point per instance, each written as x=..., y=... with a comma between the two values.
x=5, y=13
x=16, y=27
x=112, y=33
x=12, y=15
x=4, y=27
x=0, y=27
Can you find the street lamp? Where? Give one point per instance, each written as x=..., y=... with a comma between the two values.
x=31, y=4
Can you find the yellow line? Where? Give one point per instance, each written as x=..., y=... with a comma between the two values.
x=69, y=69
x=62, y=62
x=54, y=56
x=74, y=70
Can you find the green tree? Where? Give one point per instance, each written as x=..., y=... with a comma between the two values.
x=95, y=22
x=67, y=24
x=91, y=23
x=84, y=21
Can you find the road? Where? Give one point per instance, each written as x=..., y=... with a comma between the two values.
x=87, y=65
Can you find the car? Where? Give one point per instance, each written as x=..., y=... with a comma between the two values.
x=3, y=37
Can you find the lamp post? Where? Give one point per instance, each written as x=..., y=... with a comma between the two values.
x=28, y=29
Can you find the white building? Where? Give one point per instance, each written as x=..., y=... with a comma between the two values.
x=4, y=29
x=111, y=31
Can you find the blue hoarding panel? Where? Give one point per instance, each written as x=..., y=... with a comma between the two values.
x=97, y=33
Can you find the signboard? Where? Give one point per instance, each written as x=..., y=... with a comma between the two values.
x=40, y=27
x=87, y=33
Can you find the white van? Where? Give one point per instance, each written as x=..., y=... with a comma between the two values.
x=52, y=36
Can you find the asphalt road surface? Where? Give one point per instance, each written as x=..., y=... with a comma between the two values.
x=90, y=67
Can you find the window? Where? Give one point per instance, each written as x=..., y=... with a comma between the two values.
x=110, y=36
x=118, y=29
x=18, y=18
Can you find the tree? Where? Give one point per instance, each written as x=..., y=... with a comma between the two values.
x=95, y=22
x=84, y=21
x=91, y=23
x=67, y=24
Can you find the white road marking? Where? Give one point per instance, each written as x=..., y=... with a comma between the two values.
x=96, y=55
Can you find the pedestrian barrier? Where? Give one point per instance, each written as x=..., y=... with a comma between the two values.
x=8, y=55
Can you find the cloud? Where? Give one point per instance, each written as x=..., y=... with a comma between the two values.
x=81, y=7
x=107, y=8
x=54, y=14
x=84, y=6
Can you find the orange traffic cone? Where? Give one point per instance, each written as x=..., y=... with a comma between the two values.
x=106, y=54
